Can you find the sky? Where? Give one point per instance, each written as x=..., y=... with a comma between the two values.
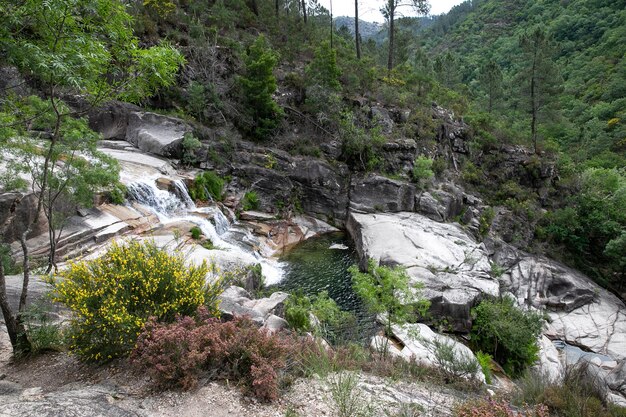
x=369, y=9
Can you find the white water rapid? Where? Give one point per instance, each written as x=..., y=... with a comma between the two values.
x=175, y=207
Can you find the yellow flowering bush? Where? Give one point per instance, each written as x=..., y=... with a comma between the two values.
x=113, y=296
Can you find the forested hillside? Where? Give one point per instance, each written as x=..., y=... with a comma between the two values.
x=579, y=104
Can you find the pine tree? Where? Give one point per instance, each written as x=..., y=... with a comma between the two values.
x=258, y=86
x=539, y=76
x=390, y=11
x=491, y=79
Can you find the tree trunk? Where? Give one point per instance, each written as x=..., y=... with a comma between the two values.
x=15, y=327
x=391, y=36
x=357, y=39
x=304, y=11
x=254, y=6
x=533, y=104
x=331, y=24
x=276, y=7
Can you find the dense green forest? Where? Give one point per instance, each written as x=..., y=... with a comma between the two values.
x=549, y=75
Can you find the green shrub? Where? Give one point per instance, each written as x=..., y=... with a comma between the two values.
x=118, y=193
x=439, y=166
x=360, y=149
x=196, y=232
x=43, y=334
x=250, y=201
x=484, y=359
x=580, y=394
x=348, y=399
x=297, y=309
x=422, y=170
x=113, y=296
x=387, y=291
x=332, y=323
x=506, y=332
x=456, y=364
x=471, y=174
x=207, y=186
x=485, y=220
x=190, y=146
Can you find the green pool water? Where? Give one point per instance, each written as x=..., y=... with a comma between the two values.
x=313, y=266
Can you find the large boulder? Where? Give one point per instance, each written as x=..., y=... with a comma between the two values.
x=323, y=188
x=17, y=211
x=156, y=134
x=111, y=119
x=453, y=267
x=580, y=312
x=375, y=193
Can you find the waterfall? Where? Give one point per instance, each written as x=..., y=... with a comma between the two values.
x=221, y=222
x=172, y=208
x=183, y=193
x=162, y=202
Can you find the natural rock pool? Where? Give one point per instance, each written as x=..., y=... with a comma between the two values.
x=321, y=263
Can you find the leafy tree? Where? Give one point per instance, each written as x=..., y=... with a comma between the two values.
x=539, y=75
x=506, y=332
x=84, y=47
x=359, y=147
x=387, y=291
x=593, y=226
x=390, y=11
x=258, y=86
x=323, y=70
x=491, y=79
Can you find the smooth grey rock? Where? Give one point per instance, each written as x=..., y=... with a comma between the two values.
x=581, y=313
x=453, y=267
x=267, y=306
x=419, y=342
x=9, y=388
x=16, y=211
x=375, y=193
x=549, y=364
x=156, y=134
x=616, y=379
x=429, y=207
x=252, y=215
x=87, y=402
x=111, y=119
x=237, y=294
x=275, y=324
x=382, y=118
x=230, y=309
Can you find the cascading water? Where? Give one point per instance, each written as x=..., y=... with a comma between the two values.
x=171, y=208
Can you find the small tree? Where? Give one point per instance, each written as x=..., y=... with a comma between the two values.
x=387, y=291
x=506, y=332
x=258, y=86
x=83, y=47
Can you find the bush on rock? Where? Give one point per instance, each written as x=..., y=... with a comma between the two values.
x=176, y=353
x=506, y=332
